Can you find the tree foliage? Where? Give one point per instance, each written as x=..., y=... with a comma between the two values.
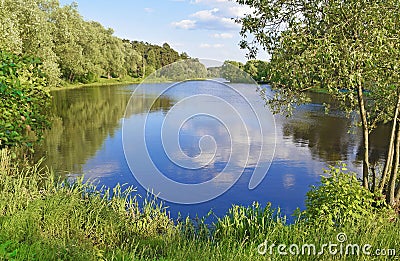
x=233, y=71
x=155, y=57
x=258, y=70
x=349, y=48
x=71, y=48
x=238, y=72
x=189, y=69
x=24, y=102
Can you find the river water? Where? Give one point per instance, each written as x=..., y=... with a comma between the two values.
x=87, y=139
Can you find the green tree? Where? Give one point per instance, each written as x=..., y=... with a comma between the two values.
x=68, y=27
x=262, y=71
x=133, y=60
x=350, y=48
x=90, y=41
x=114, y=51
x=251, y=68
x=168, y=55
x=151, y=58
x=26, y=29
x=71, y=48
x=154, y=57
x=259, y=70
x=9, y=29
x=189, y=69
x=234, y=72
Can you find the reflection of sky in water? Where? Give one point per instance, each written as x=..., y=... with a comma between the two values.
x=208, y=138
x=276, y=187
x=305, y=144
x=191, y=133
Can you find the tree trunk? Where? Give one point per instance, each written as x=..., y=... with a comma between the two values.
x=373, y=187
x=397, y=199
x=390, y=195
x=71, y=75
x=363, y=114
x=389, y=159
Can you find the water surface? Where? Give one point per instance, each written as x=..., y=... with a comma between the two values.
x=86, y=139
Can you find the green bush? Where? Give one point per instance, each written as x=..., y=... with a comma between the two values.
x=24, y=101
x=340, y=199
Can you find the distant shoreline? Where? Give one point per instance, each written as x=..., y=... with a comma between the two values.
x=102, y=82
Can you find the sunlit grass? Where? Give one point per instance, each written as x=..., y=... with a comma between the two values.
x=100, y=82
x=43, y=218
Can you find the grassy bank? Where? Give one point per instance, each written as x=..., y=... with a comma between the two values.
x=116, y=82
x=42, y=218
x=100, y=82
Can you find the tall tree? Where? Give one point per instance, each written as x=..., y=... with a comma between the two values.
x=26, y=29
x=72, y=48
x=69, y=26
x=133, y=60
x=349, y=48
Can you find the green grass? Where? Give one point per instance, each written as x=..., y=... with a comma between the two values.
x=100, y=82
x=43, y=218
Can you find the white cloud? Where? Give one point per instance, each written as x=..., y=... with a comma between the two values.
x=205, y=45
x=185, y=24
x=206, y=14
x=220, y=15
x=238, y=10
x=148, y=10
x=213, y=20
x=222, y=36
x=289, y=181
x=227, y=8
x=209, y=20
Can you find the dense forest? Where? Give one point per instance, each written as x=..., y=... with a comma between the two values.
x=256, y=69
x=72, y=49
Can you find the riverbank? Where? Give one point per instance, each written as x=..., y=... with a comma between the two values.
x=101, y=82
x=43, y=218
x=115, y=82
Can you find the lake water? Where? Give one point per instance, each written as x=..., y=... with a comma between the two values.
x=90, y=123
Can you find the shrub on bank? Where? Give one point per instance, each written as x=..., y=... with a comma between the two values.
x=24, y=101
x=340, y=199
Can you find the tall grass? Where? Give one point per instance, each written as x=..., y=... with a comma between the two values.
x=44, y=218
x=37, y=207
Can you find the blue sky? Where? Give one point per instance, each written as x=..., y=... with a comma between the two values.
x=202, y=28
